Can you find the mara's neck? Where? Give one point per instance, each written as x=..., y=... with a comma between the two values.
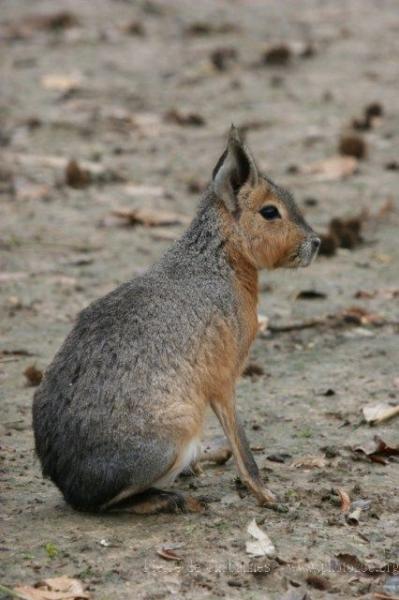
x=211, y=245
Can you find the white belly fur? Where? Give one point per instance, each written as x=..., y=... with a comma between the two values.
x=188, y=455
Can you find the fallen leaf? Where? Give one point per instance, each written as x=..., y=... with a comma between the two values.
x=331, y=169
x=377, y=450
x=309, y=462
x=262, y=546
x=360, y=316
x=345, y=500
x=279, y=457
x=168, y=553
x=347, y=232
x=385, y=294
x=134, y=28
x=150, y=217
x=310, y=295
x=184, y=118
x=33, y=375
x=372, y=115
x=263, y=323
x=75, y=176
x=58, y=20
x=378, y=413
x=277, y=55
x=223, y=58
x=353, y=517
x=318, y=582
x=61, y=83
x=329, y=244
x=253, y=370
x=56, y=588
x=352, y=144
x=202, y=28
x=97, y=171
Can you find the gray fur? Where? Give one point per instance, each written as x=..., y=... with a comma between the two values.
x=93, y=413
x=103, y=414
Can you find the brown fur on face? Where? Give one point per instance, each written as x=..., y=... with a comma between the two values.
x=271, y=244
x=265, y=244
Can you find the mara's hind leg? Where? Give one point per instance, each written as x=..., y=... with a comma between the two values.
x=154, y=501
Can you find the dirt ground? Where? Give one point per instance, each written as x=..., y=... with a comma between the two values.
x=137, y=91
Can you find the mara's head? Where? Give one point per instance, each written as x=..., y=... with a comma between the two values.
x=263, y=219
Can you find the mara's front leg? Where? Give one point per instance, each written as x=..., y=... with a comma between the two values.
x=225, y=410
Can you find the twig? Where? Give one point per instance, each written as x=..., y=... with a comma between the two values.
x=332, y=321
x=299, y=325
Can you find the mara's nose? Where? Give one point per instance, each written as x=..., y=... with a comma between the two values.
x=316, y=244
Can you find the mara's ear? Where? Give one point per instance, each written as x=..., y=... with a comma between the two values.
x=234, y=168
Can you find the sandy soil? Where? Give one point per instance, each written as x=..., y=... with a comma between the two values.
x=92, y=91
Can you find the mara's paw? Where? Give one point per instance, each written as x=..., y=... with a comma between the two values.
x=153, y=501
x=267, y=498
x=174, y=502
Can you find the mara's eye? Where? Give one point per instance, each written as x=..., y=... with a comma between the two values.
x=270, y=212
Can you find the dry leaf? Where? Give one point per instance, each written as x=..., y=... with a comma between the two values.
x=318, y=582
x=168, y=553
x=378, y=413
x=150, y=217
x=311, y=295
x=331, y=169
x=253, y=370
x=360, y=316
x=182, y=118
x=309, y=462
x=384, y=294
x=345, y=500
x=75, y=176
x=33, y=375
x=263, y=323
x=277, y=55
x=352, y=144
x=262, y=546
x=57, y=588
x=61, y=83
x=354, y=516
x=377, y=450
